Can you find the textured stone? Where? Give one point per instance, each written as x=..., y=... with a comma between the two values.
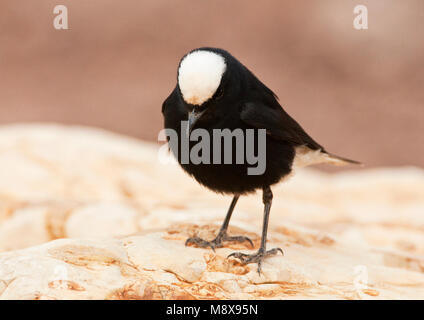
x=97, y=216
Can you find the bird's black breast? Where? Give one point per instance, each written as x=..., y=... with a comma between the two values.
x=234, y=178
x=229, y=178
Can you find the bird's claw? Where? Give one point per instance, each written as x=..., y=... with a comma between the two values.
x=239, y=239
x=199, y=242
x=257, y=257
x=217, y=242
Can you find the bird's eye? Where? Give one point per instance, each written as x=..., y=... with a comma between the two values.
x=219, y=93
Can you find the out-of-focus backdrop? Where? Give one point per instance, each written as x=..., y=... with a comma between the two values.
x=359, y=93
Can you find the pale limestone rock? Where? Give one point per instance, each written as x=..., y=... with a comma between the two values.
x=25, y=227
x=116, y=220
x=122, y=218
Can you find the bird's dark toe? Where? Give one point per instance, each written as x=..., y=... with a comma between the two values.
x=239, y=239
x=199, y=242
x=274, y=251
x=257, y=257
x=217, y=242
x=243, y=257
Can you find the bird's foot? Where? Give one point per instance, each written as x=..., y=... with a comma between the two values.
x=217, y=242
x=257, y=257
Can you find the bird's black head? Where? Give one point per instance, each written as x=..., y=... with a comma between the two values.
x=209, y=82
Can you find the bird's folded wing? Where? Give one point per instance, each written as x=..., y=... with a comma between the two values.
x=278, y=124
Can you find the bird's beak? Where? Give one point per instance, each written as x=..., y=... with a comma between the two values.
x=193, y=116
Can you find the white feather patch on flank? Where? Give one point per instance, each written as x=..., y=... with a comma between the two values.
x=306, y=157
x=199, y=75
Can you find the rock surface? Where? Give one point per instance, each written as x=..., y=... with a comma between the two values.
x=86, y=214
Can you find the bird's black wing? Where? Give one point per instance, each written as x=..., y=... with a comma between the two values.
x=278, y=124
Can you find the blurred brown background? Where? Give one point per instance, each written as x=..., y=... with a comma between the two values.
x=359, y=93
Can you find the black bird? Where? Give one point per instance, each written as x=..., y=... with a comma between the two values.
x=215, y=91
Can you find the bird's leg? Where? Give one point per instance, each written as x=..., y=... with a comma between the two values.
x=260, y=255
x=222, y=234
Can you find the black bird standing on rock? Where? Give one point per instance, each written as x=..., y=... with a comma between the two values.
x=215, y=91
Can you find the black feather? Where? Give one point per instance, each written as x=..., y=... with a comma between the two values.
x=278, y=123
x=243, y=102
